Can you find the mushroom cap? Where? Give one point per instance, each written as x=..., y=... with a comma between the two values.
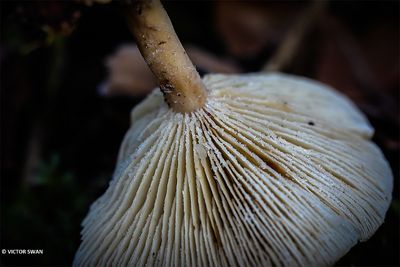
x=275, y=170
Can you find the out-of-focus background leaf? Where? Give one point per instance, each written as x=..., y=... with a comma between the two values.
x=70, y=75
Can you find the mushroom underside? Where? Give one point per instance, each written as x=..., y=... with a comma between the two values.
x=274, y=170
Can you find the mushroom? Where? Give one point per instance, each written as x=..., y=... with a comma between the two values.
x=235, y=170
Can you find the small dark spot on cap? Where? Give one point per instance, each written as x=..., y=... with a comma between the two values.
x=162, y=42
x=178, y=94
x=208, y=114
x=311, y=123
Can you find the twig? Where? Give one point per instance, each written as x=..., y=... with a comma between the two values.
x=295, y=36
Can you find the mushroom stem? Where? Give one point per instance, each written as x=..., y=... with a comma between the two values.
x=179, y=81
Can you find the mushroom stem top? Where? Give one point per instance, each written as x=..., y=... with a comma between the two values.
x=179, y=81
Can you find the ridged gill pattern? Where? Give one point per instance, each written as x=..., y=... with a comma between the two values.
x=275, y=170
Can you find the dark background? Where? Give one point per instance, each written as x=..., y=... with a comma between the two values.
x=60, y=137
